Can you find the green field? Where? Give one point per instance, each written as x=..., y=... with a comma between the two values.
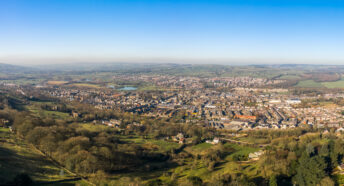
x=287, y=77
x=240, y=150
x=335, y=84
x=36, y=109
x=24, y=81
x=201, y=146
x=313, y=84
x=85, y=85
x=309, y=84
x=194, y=167
x=92, y=127
x=149, y=143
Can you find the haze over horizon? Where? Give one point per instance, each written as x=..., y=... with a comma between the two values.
x=221, y=32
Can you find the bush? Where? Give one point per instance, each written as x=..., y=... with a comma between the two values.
x=240, y=157
x=196, y=181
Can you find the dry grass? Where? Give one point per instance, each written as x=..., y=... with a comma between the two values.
x=57, y=82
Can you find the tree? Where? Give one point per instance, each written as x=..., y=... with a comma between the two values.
x=196, y=181
x=310, y=170
x=273, y=181
x=156, y=182
x=327, y=181
x=211, y=165
x=99, y=178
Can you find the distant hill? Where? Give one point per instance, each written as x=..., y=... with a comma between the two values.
x=7, y=68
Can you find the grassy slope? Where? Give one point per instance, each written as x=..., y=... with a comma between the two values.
x=240, y=150
x=227, y=166
x=18, y=157
x=149, y=143
x=35, y=109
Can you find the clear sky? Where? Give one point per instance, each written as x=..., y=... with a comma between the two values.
x=184, y=31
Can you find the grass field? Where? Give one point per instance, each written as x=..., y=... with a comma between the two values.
x=313, y=84
x=85, y=85
x=201, y=146
x=92, y=127
x=148, y=88
x=194, y=167
x=309, y=84
x=290, y=76
x=36, y=110
x=24, y=81
x=240, y=150
x=335, y=84
x=48, y=114
x=57, y=82
x=18, y=157
x=158, y=145
x=165, y=146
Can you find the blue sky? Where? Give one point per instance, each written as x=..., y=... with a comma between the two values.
x=213, y=31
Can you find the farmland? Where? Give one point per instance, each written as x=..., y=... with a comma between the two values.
x=85, y=85
x=57, y=82
x=335, y=84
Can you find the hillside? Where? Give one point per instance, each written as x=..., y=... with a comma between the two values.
x=19, y=158
x=7, y=68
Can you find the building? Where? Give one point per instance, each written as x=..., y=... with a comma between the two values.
x=293, y=101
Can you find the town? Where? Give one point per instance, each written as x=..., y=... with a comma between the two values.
x=234, y=108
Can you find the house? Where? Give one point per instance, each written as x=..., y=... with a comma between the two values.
x=75, y=114
x=4, y=122
x=111, y=123
x=245, y=117
x=293, y=101
x=179, y=137
x=341, y=167
x=325, y=132
x=275, y=101
x=255, y=155
x=339, y=130
x=210, y=106
x=214, y=141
